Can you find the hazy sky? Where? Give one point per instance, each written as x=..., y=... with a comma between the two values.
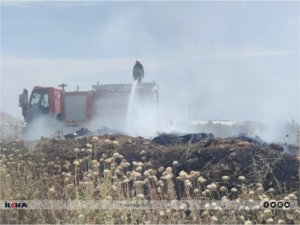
x=229, y=60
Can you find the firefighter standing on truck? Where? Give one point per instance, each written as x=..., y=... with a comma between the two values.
x=138, y=71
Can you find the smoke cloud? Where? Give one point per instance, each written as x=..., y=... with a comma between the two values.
x=217, y=61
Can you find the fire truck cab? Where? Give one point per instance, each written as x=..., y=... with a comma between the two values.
x=42, y=101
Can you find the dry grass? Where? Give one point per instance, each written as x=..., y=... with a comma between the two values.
x=29, y=175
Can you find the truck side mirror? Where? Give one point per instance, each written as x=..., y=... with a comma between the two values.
x=20, y=100
x=23, y=98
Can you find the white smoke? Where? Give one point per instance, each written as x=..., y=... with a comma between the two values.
x=42, y=126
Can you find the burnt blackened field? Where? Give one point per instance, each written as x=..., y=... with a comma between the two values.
x=119, y=167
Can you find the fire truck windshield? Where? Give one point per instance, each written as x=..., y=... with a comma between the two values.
x=39, y=98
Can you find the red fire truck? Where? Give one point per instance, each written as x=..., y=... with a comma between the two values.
x=107, y=103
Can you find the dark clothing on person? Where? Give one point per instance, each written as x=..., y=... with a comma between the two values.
x=138, y=71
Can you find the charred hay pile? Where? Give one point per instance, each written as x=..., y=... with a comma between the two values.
x=220, y=172
x=263, y=163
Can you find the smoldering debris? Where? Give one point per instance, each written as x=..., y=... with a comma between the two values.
x=108, y=131
x=79, y=133
x=282, y=132
x=177, y=138
x=84, y=132
x=213, y=158
x=291, y=149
